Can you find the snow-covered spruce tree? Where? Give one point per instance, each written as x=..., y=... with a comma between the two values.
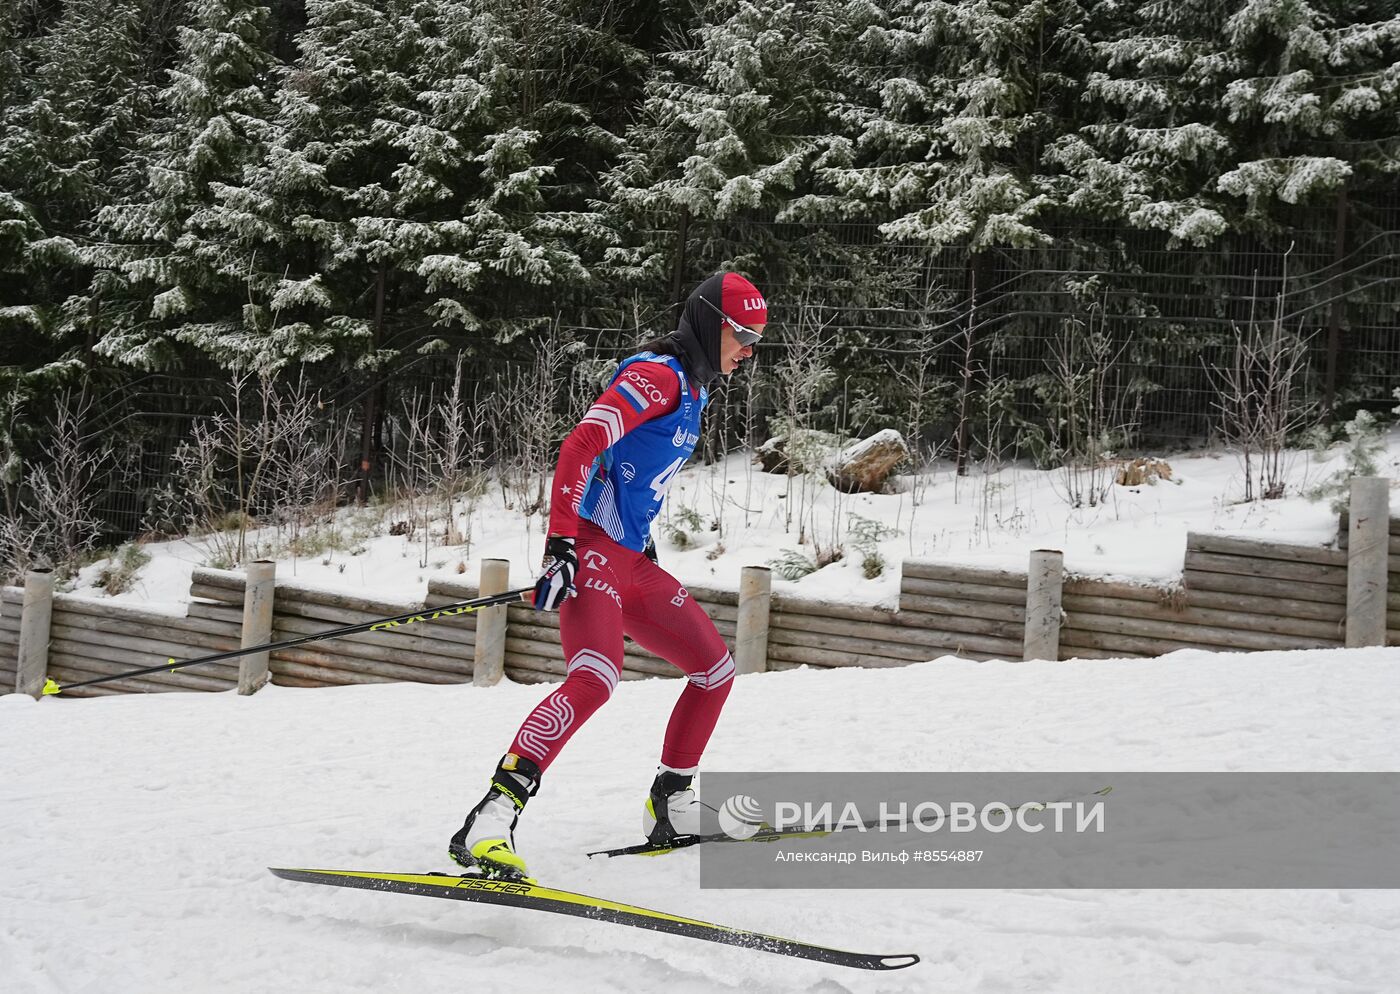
x=77, y=86
x=727, y=165
x=958, y=101
x=427, y=172
x=78, y=90
x=515, y=98
x=1314, y=123
x=733, y=126
x=1315, y=113
x=954, y=104
x=19, y=228
x=314, y=229
x=165, y=278
x=1149, y=146
x=1211, y=115
x=1225, y=125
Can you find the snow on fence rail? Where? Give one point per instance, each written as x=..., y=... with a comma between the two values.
x=1235, y=594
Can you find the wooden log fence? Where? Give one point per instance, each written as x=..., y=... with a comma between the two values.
x=968, y=611
x=11, y=616
x=1367, y=561
x=35, y=632
x=751, y=631
x=1392, y=621
x=1234, y=594
x=256, y=626
x=1044, y=604
x=90, y=638
x=488, y=659
x=436, y=652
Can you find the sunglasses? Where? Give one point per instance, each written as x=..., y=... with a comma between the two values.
x=744, y=336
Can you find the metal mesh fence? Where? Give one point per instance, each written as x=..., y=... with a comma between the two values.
x=965, y=353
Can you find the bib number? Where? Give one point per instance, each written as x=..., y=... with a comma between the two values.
x=662, y=483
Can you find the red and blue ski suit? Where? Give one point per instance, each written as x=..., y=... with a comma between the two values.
x=613, y=473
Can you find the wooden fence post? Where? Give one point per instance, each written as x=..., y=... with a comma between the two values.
x=258, y=593
x=751, y=634
x=35, y=619
x=490, y=643
x=1368, y=559
x=1044, y=589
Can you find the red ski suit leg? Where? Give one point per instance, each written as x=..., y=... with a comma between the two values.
x=590, y=626
x=621, y=590
x=661, y=616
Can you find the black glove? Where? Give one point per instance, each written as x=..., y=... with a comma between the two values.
x=650, y=550
x=558, y=569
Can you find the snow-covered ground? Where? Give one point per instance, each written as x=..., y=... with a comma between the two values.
x=137, y=830
x=989, y=519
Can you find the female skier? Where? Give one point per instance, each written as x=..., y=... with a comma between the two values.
x=600, y=571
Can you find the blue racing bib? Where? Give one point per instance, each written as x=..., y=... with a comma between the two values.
x=630, y=479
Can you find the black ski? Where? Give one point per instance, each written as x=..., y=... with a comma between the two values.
x=522, y=894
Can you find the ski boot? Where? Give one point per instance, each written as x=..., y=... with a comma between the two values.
x=672, y=809
x=486, y=841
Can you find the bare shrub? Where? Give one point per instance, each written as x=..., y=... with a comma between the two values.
x=275, y=461
x=1260, y=397
x=1092, y=407
x=442, y=463
x=53, y=520
x=803, y=375
x=528, y=399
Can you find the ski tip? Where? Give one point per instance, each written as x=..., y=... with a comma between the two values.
x=51, y=687
x=898, y=962
x=299, y=874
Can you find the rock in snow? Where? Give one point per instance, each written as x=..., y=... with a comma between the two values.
x=864, y=466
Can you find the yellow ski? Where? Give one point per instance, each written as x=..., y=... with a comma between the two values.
x=519, y=894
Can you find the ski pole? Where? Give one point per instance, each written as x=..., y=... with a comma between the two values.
x=384, y=624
